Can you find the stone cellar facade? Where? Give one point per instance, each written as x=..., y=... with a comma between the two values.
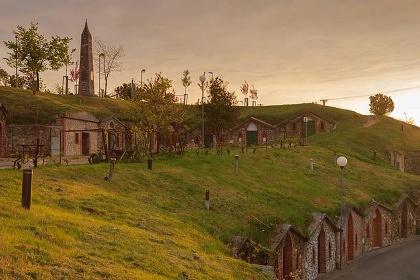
x=306, y=256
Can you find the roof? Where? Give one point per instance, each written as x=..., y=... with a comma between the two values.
x=348, y=209
x=403, y=198
x=114, y=119
x=317, y=220
x=374, y=205
x=255, y=120
x=279, y=237
x=84, y=116
x=303, y=112
x=3, y=110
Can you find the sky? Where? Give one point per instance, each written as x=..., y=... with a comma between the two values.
x=293, y=52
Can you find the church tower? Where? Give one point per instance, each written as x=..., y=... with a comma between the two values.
x=86, y=81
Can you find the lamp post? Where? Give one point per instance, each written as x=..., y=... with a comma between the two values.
x=101, y=55
x=202, y=80
x=341, y=161
x=141, y=77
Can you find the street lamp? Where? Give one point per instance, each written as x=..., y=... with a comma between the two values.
x=202, y=80
x=341, y=161
x=101, y=55
x=141, y=77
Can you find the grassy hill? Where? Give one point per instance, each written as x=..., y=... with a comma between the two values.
x=152, y=224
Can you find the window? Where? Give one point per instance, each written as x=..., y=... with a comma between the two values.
x=329, y=250
x=322, y=126
x=76, y=138
x=344, y=246
x=313, y=256
x=367, y=231
x=386, y=228
x=355, y=241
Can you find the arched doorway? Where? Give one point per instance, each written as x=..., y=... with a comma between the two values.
x=404, y=221
x=350, y=237
x=322, y=252
x=377, y=229
x=252, y=134
x=287, y=256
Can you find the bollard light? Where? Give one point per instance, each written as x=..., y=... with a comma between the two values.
x=236, y=163
x=27, y=185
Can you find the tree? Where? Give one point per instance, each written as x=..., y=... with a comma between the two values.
x=381, y=104
x=4, y=77
x=156, y=111
x=21, y=81
x=124, y=91
x=33, y=53
x=186, y=82
x=112, y=59
x=220, y=111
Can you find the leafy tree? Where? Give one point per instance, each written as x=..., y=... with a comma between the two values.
x=112, y=59
x=156, y=111
x=186, y=82
x=21, y=81
x=381, y=104
x=124, y=91
x=33, y=53
x=4, y=77
x=220, y=111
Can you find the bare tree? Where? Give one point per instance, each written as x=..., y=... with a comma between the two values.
x=111, y=58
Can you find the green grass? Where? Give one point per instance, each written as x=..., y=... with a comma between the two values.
x=153, y=224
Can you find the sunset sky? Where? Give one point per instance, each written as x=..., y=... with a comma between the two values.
x=291, y=51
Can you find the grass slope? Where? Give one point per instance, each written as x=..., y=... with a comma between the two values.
x=153, y=224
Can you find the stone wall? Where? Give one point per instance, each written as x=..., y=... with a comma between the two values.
x=295, y=126
x=315, y=250
x=3, y=115
x=19, y=135
x=404, y=222
x=288, y=252
x=239, y=135
x=378, y=226
x=80, y=137
x=353, y=236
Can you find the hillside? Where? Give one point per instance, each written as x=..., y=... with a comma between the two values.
x=152, y=224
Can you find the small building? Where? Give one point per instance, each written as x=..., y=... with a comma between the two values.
x=3, y=116
x=80, y=134
x=117, y=135
x=252, y=132
x=288, y=255
x=304, y=124
x=353, y=234
x=378, y=226
x=406, y=161
x=320, y=251
x=404, y=218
